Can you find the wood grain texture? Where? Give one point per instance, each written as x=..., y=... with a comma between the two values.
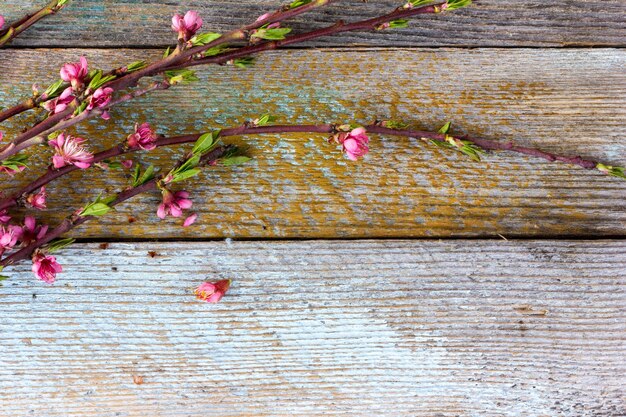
x=360, y=328
x=487, y=23
x=570, y=101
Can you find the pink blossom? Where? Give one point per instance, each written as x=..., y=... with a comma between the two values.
x=190, y=220
x=4, y=217
x=354, y=143
x=263, y=17
x=174, y=203
x=60, y=103
x=75, y=73
x=8, y=237
x=32, y=232
x=37, y=200
x=128, y=164
x=46, y=267
x=70, y=151
x=143, y=138
x=1, y=21
x=186, y=26
x=212, y=292
x=101, y=98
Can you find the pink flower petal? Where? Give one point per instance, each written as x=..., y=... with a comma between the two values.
x=190, y=220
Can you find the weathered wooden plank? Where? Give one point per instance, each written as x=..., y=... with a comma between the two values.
x=487, y=23
x=570, y=101
x=392, y=328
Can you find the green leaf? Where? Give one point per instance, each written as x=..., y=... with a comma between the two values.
x=611, y=170
x=420, y=3
x=189, y=164
x=235, y=160
x=81, y=108
x=457, y=4
x=273, y=34
x=264, y=120
x=134, y=66
x=95, y=78
x=440, y=144
x=471, y=150
x=204, y=143
x=181, y=76
x=112, y=164
x=398, y=23
x=58, y=244
x=216, y=50
x=445, y=128
x=244, y=62
x=204, y=38
x=98, y=81
x=142, y=179
x=15, y=162
x=167, y=52
x=3, y=277
x=298, y=3
x=55, y=89
x=135, y=176
x=181, y=176
x=96, y=209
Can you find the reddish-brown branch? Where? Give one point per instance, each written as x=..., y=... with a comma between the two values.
x=121, y=149
x=14, y=29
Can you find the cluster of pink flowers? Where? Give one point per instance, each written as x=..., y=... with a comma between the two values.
x=187, y=25
x=143, y=138
x=45, y=267
x=70, y=151
x=212, y=292
x=76, y=74
x=355, y=142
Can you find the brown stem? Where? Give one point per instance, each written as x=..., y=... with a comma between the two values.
x=234, y=35
x=27, y=21
x=339, y=27
x=17, y=109
x=121, y=149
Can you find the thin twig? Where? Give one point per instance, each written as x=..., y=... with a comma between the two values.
x=14, y=29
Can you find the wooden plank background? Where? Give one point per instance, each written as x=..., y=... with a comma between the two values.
x=437, y=327
x=487, y=23
x=570, y=101
x=321, y=328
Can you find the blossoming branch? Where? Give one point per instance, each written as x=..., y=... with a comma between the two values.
x=84, y=95
x=28, y=240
